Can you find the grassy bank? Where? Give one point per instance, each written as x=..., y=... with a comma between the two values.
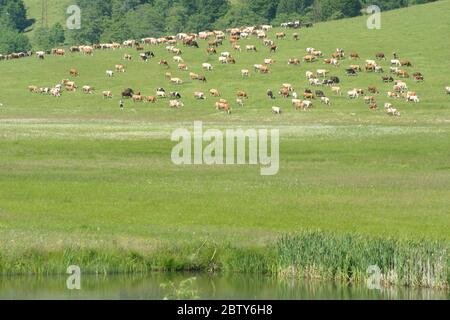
x=346, y=258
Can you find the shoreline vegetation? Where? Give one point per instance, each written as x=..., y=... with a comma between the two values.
x=346, y=258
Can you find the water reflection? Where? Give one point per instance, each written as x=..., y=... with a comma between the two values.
x=248, y=287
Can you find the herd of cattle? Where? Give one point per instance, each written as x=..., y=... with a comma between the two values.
x=320, y=79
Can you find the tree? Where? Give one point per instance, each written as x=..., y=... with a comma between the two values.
x=12, y=41
x=239, y=15
x=15, y=13
x=176, y=19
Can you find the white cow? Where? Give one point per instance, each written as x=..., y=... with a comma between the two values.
x=414, y=99
x=110, y=73
x=276, y=110
x=326, y=101
x=176, y=104
x=353, y=94
x=207, y=66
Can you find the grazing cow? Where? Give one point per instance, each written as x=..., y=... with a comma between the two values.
x=245, y=73
x=88, y=51
x=127, y=93
x=280, y=35
x=320, y=94
x=351, y=72
x=88, y=89
x=264, y=69
x=223, y=106
x=199, y=95
x=390, y=110
x=176, y=81
x=325, y=101
x=405, y=63
x=284, y=92
x=183, y=67
x=394, y=95
x=296, y=36
x=33, y=89
x=403, y=74
x=237, y=47
x=353, y=94
x=310, y=75
x=176, y=104
x=373, y=106
x=370, y=67
x=418, y=77
x=276, y=110
x=307, y=104
x=207, y=66
x=380, y=56
x=387, y=79
x=74, y=72
x=354, y=56
x=39, y=54
x=251, y=48
x=214, y=93
x=309, y=58
x=211, y=51
x=270, y=94
x=110, y=73
x=107, y=94
x=414, y=99
x=373, y=89
x=163, y=62
x=308, y=95
x=269, y=61
x=59, y=52
x=240, y=102
x=127, y=57
x=161, y=94
x=336, y=90
x=120, y=68
x=293, y=61
x=137, y=98
x=242, y=94
x=379, y=69
x=335, y=80
x=55, y=92
x=396, y=62
x=194, y=76
x=369, y=99
x=175, y=95
x=202, y=78
x=273, y=48
x=151, y=99
x=322, y=72
x=178, y=59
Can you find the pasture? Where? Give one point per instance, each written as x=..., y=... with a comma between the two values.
x=77, y=171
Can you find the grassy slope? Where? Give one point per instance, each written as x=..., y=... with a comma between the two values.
x=79, y=171
x=56, y=10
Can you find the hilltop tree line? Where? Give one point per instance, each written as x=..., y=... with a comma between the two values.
x=116, y=20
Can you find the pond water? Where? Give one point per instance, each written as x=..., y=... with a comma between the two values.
x=210, y=287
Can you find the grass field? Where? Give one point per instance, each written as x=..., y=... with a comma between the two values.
x=79, y=172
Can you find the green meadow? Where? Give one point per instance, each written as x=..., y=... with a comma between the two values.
x=82, y=179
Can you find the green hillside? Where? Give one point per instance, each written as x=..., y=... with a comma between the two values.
x=77, y=171
x=56, y=12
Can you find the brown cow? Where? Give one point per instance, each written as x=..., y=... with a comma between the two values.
x=74, y=72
